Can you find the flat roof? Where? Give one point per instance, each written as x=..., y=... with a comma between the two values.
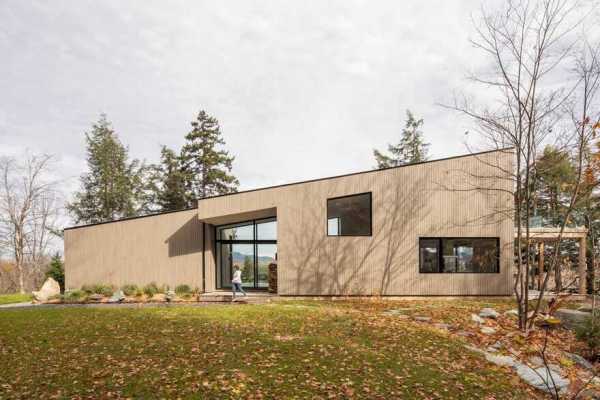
x=505, y=149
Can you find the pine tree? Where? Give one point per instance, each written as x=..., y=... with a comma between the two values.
x=171, y=182
x=207, y=168
x=109, y=188
x=56, y=271
x=411, y=149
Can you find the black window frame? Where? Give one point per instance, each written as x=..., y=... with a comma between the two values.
x=343, y=197
x=255, y=242
x=441, y=254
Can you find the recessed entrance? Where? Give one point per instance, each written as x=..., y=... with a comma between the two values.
x=251, y=245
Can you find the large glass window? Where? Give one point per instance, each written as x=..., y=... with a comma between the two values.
x=251, y=246
x=459, y=255
x=349, y=215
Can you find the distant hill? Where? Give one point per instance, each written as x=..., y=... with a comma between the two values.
x=238, y=258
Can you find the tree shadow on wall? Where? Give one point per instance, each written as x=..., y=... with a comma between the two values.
x=358, y=265
x=187, y=239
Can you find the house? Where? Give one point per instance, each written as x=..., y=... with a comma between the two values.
x=440, y=227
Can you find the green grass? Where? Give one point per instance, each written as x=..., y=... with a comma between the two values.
x=280, y=350
x=14, y=298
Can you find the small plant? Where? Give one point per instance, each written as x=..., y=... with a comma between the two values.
x=589, y=332
x=104, y=290
x=151, y=289
x=182, y=290
x=74, y=296
x=138, y=293
x=87, y=289
x=130, y=290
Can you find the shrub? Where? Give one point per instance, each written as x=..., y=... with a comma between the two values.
x=151, y=289
x=589, y=332
x=129, y=290
x=104, y=290
x=87, y=289
x=181, y=290
x=138, y=292
x=74, y=296
x=56, y=271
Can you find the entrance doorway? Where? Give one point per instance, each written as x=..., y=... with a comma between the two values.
x=250, y=245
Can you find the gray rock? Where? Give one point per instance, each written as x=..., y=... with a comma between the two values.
x=95, y=297
x=422, y=318
x=543, y=379
x=491, y=349
x=498, y=345
x=117, y=297
x=580, y=360
x=475, y=349
x=513, y=313
x=49, y=289
x=170, y=295
x=442, y=326
x=486, y=330
x=589, y=394
x=488, y=313
x=503, y=361
x=585, y=308
x=464, y=333
x=571, y=318
x=536, y=361
x=476, y=318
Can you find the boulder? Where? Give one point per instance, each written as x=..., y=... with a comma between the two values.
x=543, y=378
x=571, y=318
x=580, y=361
x=488, y=313
x=476, y=318
x=95, y=297
x=49, y=289
x=170, y=295
x=503, y=361
x=486, y=330
x=117, y=297
x=512, y=313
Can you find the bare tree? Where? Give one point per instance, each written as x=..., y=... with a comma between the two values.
x=28, y=212
x=528, y=45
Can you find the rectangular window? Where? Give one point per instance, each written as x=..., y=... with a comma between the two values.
x=349, y=215
x=459, y=255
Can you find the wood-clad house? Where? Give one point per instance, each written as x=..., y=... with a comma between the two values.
x=441, y=227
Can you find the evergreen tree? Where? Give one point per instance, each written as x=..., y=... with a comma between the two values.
x=110, y=188
x=207, y=168
x=171, y=182
x=56, y=271
x=554, y=178
x=411, y=149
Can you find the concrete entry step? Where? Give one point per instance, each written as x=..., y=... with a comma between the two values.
x=227, y=297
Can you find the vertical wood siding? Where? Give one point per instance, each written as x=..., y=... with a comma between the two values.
x=166, y=249
x=466, y=196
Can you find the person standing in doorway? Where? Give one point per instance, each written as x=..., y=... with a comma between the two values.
x=237, y=281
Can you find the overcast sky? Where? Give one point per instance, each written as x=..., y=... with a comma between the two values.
x=303, y=89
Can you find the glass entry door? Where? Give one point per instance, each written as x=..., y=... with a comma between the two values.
x=251, y=246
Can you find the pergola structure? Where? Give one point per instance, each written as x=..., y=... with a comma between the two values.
x=549, y=235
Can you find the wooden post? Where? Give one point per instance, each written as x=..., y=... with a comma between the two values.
x=582, y=266
x=540, y=264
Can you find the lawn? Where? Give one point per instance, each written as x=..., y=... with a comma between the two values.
x=277, y=350
x=14, y=298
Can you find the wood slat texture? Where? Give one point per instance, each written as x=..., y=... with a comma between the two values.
x=465, y=196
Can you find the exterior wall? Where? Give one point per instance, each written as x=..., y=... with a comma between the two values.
x=166, y=249
x=460, y=197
